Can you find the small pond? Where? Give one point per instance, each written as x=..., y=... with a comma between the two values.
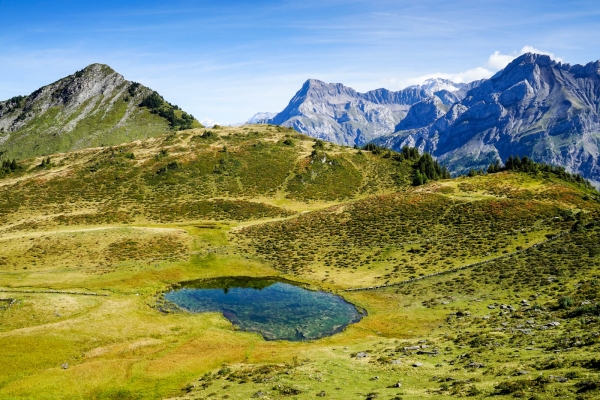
x=277, y=309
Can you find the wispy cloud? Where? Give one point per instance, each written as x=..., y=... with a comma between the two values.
x=496, y=61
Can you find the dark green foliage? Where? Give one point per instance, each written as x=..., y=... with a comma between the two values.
x=209, y=135
x=78, y=74
x=586, y=309
x=494, y=167
x=565, y=302
x=410, y=153
x=178, y=120
x=133, y=88
x=45, y=163
x=373, y=148
x=527, y=165
x=425, y=168
x=288, y=142
x=169, y=167
x=9, y=167
x=153, y=101
x=587, y=386
x=428, y=169
x=319, y=144
x=522, y=385
x=475, y=172
x=13, y=103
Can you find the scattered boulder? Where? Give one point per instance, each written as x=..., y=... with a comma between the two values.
x=475, y=365
x=560, y=379
x=321, y=394
x=521, y=372
x=65, y=366
x=361, y=354
x=417, y=364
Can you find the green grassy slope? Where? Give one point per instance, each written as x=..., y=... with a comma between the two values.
x=94, y=107
x=462, y=280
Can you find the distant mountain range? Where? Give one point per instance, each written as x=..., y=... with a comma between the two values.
x=258, y=118
x=534, y=107
x=337, y=113
x=93, y=107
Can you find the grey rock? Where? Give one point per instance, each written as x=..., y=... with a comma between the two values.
x=64, y=366
x=534, y=107
x=561, y=379
x=67, y=106
x=337, y=113
x=417, y=364
x=521, y=372
x=361, y=354
x=475, y=365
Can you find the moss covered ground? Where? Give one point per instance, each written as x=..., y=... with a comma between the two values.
x=491, y=283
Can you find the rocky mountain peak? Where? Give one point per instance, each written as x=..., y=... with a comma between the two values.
x=319, y=90
x=535, y=107
x=92, y=107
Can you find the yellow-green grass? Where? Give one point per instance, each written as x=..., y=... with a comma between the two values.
x=92, y=236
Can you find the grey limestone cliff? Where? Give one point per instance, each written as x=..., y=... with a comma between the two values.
x=535, y=106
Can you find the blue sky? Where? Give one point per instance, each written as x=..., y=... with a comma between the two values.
x=228, y=61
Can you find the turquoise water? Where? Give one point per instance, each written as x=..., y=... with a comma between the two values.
x=278, y=310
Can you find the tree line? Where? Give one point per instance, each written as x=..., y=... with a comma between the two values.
x=425, y=168
x=526, y=164
x=157, y=105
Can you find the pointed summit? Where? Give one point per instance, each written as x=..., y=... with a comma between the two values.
x=93, y=107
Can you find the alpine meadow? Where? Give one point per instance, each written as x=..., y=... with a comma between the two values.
x=436, y=241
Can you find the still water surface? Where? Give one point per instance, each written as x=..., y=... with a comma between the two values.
x=277, y=309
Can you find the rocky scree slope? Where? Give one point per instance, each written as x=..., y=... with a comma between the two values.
x=93, y=107
x=339, y=114
x=535, y=107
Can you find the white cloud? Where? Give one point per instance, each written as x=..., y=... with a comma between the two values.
x=496, y=61
x=460, y=77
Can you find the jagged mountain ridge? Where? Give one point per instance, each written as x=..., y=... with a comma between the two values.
x=340, y=114
x=93, y=107
x=535, y=106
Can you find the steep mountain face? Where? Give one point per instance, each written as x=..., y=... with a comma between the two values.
x=337, y=113
x=93, y=107
x=535, y=106
x=340, y=114
x=423, y=113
